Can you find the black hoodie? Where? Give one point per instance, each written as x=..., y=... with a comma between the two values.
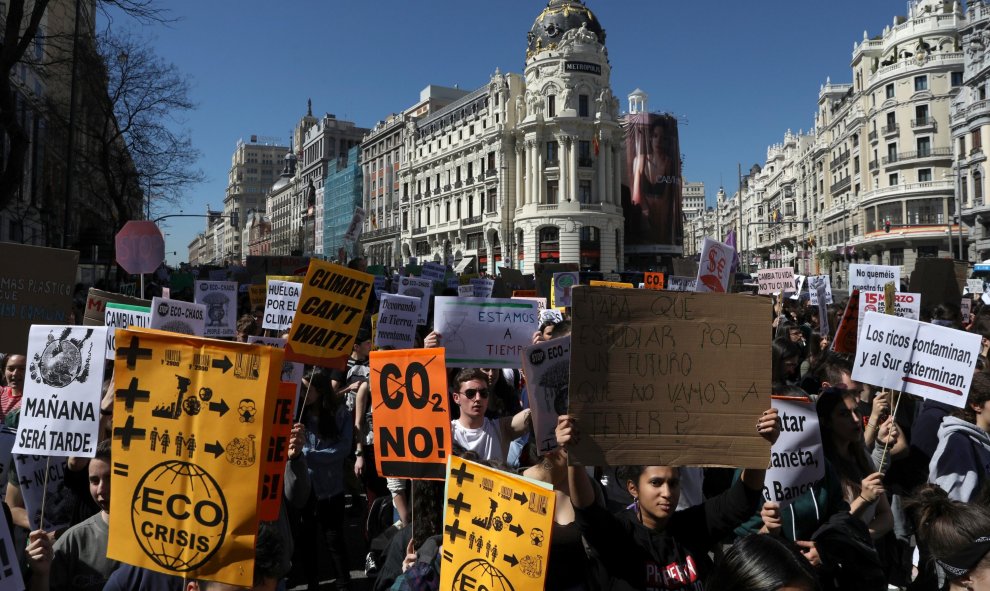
x=677, y=557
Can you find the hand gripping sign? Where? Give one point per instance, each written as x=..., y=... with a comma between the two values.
x=189, y=418
x=410, y=413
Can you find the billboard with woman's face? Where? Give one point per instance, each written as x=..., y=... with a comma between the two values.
x=653, y=221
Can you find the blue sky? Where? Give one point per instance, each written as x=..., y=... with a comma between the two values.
x=737, y=74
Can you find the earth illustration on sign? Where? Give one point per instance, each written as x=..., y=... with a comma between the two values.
x=61, y=361
x=482, y=575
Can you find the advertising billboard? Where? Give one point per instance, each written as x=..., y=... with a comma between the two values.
x=653, y=221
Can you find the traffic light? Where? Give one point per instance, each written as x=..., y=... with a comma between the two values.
x=886, y=226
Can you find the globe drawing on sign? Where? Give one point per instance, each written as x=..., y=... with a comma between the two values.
x=479, y=574
x=197, y=528
x=61, y=361
x=216, y=308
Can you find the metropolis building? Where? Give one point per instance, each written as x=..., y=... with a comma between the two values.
x=522, y=170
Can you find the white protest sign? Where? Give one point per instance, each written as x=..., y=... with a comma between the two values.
x=798, y=286
x=873, y=277
x=797, y=460
x=906, y=305
x=923, y=359
x=482, y=287
x=397, y=319
x=60, y=412
x=453, y=283
x=291, y=371
x=813, y=282
x=281, y=300
x=60, y=502
x=418, y=288
x=10, y=570
x=677, y=283
x=220, y=299
x=7, y=436
x=551, y=315
x=775, y=281
x=715, y=267
x=434, y=272
x=123, y=316
x=178, y=316
x=547, y=366
x=966, y=308
x=975, y=285
x=822, y=298
x=485, y=332
x=465, y=291
x=541, y=303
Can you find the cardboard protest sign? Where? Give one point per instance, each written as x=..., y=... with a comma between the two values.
x=873, y=277
x=421, y=289
x=612, y=284
x=412, y=421
x=453, y=283
x=178, y=316
x=479, y=332
x=379, y=286
x=814, y=281
x=975, y=285
x=465, y=291
x=547, y=366
x=676, y=283
x=220, y=299
x=773, y=281
x=544, y=273
x=278, y=429
x=923, y=359
x=496, y=529
x=397, y=319
x=59, y=501
x=482, y=287
x=123, y=316
x=797, y=459
x=560, y=289
x=935, y=279
x=847, y=332
x=331, y=309
x=434, y=272
x=35, y=288
x=7, y=436
x=189, y=417
x=10, y=570
x=256, y=294
x=715, y=268
x=514, y=279
x=60, y=411
x=653, y=280
x=292, y=372
x=96, y=305
x=669, y=378
x=906, y=305
x=281, y=302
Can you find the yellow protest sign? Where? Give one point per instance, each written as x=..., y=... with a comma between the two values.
x=257, y=295
x=496, y=529
x=331, y=308
x=187, y=453
x=615, y=284
x=411, y=418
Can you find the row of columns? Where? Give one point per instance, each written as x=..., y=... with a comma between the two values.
x=531, y=187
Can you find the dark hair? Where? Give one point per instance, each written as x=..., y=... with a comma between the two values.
x=562, y=329
x=981, y=325
x=948, y=527
x=466, y=375
x=761, y=563
x=327, y=403
x=979, y=392
x=850, y=473
x=428, y=507
x=783, y=349
x=247, y=324
x=103, y=451
x=948, y=312
x=627, y=473
x=831, y=368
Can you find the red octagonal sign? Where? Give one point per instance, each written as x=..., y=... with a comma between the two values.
x=140, y=247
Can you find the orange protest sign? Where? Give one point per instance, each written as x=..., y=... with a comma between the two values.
x=331, y=308
x=653, y=280
x=410, y=413
x=188, y=418
x=278, y=428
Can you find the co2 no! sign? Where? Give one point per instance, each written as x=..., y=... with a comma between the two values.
x=415, y=387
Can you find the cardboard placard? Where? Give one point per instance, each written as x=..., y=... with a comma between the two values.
x=256, y=295
x=483, y=287
x=798, y=286
x=421, y=289
x=331, y=309
x=975, y=285
x=220, y=299
x=10, y=570
x=96, y=305
x=188, y=426
x=965, y=308
x=496, y=529
x=923, y=359
x=178, y=316
x=669, y=378
x=612, y=284
x=56, y=497
x=653, y=280
x=544, y=273
x=281, y=303
x=935, y=280
x=551, y=315
x=278, y=429
x=773, y=281
x=560, y=288
x=480, y=332
x=60, y=411
x=814, y=281
x=123, y=316
x=547, y=366
x=412, y=421
x=867, y=278
x=847, y=332
x=435, y=272
x=7, y=436
x=822, y=297
x=397, y=319
x=906, y=305
x=379, y=286
x=715, y=268
x=35, y=288
x=797, y=459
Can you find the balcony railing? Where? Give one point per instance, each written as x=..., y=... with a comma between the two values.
x=922, y=122
x=873, y=136
x=490, y=172
x=446, y=188
x=890, y=129
x=874, y=165
x=419, y=230
x=591, y=206
x=552, y=163
x=840, y=160
x=458, y=184
x=475, y=219
x=841, y=184
x=905, y=156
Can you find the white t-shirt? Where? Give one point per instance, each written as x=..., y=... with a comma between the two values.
x=490, y=441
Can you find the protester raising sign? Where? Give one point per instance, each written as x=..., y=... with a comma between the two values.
x=482, y=287
x=36, y=288
x=873, y=277
x=412, y=421
x=906, y=305
x=278, y=428
x=60, y=413
x=281, y=301
x=397, y=319
x=916, y=357
x=797, y=460
x=220, y=299
x=479, y=332
x=668, y=378
x=434, y=272
x=41, y=481
x=547, y=366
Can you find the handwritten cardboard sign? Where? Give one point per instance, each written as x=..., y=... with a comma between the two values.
x=906, y=305
x=653, y=280
x=482, y=287
x=37, y=491
x=60, y=412
x=256, y=294
x=873, y=277
x=715, y=268
x=123, y=316
x=547, y=366
x=412, y=419
x=220, y=299
x=35, y=288
x=923, y=359
x=281, y=302
x=480, y=332
x=465, y=291
x=797, y=459
x=421, y=289
x=669, y=378
x=560, y=288
x=774, y=281
x=496, y=529
x=397, y=318
x=331, y=309
x=278, y=429
x=188, y=447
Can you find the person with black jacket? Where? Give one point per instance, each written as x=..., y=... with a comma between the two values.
x=651, y=547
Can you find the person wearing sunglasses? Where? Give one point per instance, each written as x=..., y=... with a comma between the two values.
x=489, y=438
